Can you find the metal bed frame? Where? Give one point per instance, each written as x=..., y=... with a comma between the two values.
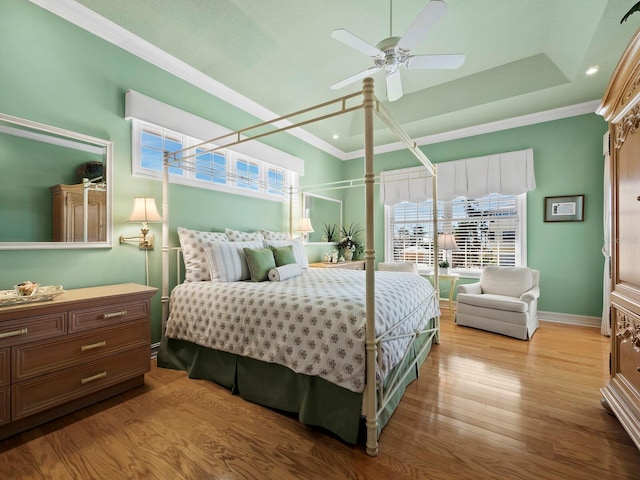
x=375, y=397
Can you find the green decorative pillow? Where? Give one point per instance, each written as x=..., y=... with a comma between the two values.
x=260, y=261
x=283, y=255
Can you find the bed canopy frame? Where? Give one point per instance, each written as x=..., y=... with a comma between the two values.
x=371, y=106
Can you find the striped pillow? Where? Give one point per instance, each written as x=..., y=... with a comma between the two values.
x=227, y=262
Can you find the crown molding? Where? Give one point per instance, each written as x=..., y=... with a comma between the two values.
x=96, y=24
x=506, y=124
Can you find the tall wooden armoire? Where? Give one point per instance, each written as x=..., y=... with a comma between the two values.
x=68, y=214
x=621, y=108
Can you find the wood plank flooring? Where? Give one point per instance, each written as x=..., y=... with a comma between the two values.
x=484, y=407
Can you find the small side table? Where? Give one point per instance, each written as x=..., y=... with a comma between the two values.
x=354, y=265
x=452, y=278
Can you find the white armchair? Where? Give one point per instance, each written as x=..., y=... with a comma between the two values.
x=504, y=301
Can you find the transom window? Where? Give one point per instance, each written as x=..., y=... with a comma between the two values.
x=488, y=231
x=224, y=170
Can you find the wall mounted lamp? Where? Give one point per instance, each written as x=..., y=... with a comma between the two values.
x=144, y=211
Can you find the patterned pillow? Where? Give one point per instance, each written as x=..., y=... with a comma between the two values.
x=269, y=235
x=298, y=249
x=194, y=246
x=238, y=236
x=227, y=261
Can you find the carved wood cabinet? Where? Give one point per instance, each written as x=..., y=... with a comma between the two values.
x=621, y=108
x=80, y=348
x=68, y=214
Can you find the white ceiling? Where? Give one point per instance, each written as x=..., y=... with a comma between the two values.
x=523, y=57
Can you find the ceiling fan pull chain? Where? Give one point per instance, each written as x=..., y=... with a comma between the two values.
x=391, y=18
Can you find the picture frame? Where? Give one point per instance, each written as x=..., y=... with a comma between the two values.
x=566, y=208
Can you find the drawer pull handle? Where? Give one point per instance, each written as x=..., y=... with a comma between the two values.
x=97, y=376
x=114, y=314
x=15, y=333
x=84, y=348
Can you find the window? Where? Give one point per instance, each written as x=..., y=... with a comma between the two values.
x=488, y=231
x=223, y=170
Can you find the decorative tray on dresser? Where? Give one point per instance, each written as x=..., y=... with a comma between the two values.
x=79, y=348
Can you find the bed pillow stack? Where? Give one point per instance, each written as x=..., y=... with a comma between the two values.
x=272, y=263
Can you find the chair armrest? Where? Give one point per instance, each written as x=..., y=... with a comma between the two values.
x=474, y=288
x=530, y=295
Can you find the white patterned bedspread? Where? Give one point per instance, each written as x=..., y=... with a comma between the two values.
x=313, y=324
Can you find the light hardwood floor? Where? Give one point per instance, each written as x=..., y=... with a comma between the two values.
x=485, y=407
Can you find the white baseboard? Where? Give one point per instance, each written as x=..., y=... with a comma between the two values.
x=568, y=318
x=581, y=320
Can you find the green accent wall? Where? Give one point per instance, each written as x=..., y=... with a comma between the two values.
x=568, y=161
x=56, y=73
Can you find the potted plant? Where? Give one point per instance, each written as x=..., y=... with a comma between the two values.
x=349, y=243
x=444, y=265
x=330, y=233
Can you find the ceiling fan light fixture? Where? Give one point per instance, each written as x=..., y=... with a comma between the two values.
x=392, y=51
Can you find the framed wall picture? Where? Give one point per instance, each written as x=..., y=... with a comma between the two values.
x=569, y=208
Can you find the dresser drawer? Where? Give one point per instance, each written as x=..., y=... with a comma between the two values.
x=5, y=367
x=17, y=332
x=5, y=402
x=107, y=314
x=44, y=357
x=42, y=393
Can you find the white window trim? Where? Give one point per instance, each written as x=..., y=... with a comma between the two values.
x=290, y=178
x=464, y=272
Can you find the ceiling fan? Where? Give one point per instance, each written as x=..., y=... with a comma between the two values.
x=392, y=52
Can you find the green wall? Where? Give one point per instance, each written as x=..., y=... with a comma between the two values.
x=58, y=74
x=568, y=160
x=55, y=73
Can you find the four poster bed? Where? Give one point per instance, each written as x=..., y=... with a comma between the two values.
x=335, y=346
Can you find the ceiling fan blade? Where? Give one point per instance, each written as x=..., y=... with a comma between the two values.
x=355, y=77
x=394, y=85
x=429, y=16
x=435, y=61
x=356, y=43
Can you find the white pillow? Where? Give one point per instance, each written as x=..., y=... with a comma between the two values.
x=269, y=235
x=298, y=249
x=238, y=236
x=194, y=245
x=227, y=261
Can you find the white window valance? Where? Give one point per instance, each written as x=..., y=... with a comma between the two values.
x=508, y=173
x=158, y=113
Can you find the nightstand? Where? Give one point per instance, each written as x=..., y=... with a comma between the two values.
x=452, y=278
x=354, y=265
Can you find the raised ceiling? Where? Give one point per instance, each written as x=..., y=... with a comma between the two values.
x=523, y=57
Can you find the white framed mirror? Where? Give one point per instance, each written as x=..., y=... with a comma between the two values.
x=322, y=211
x=54, y=187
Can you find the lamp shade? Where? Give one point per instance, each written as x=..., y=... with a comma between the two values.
x=304, y=226
x=144, y=210
x=447, y=241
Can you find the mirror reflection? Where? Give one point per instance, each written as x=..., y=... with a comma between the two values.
x=322, y=211
x=53, y=187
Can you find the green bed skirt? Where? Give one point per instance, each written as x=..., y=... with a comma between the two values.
x=316, y=401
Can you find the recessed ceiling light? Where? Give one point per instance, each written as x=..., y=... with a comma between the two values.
x=591, y=70
x=336, y=136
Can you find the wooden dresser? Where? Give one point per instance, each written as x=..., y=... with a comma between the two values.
x=68, y=214
x=621, y=108
x=80, y=348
